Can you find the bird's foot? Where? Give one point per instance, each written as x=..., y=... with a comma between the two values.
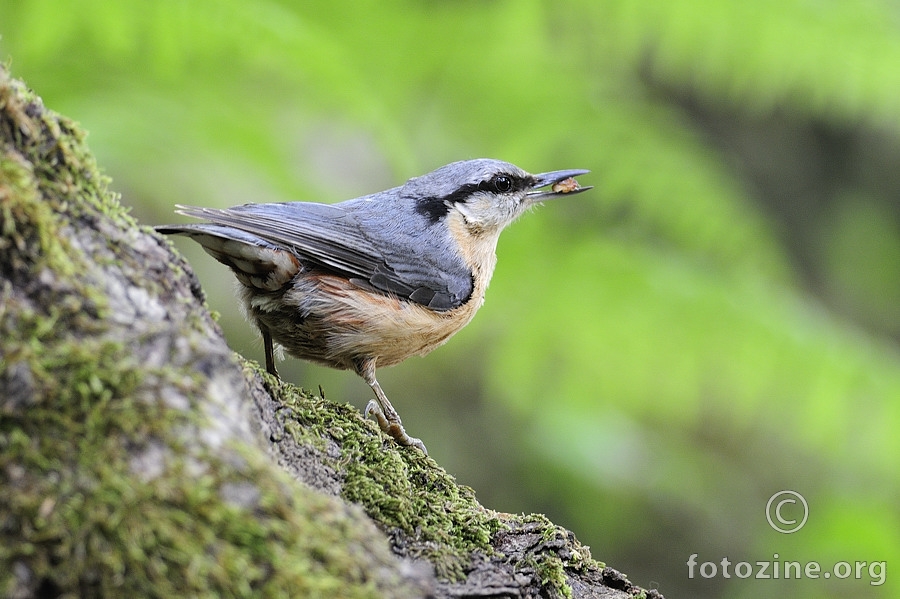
x=393, y=427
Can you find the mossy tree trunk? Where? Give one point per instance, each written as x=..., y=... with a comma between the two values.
x=140, y=457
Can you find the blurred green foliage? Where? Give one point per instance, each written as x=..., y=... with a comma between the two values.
x=716, y=321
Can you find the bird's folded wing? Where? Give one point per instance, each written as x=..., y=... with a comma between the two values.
x=331, y=238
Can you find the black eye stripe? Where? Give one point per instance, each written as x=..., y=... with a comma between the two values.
x=436, y=207
x=505, y=183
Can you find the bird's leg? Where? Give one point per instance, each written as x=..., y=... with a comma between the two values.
x=382, y=410
x=270, y=352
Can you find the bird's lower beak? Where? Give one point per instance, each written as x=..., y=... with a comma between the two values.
x=561, y=183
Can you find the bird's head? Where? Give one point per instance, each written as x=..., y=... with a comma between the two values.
x=485, y=195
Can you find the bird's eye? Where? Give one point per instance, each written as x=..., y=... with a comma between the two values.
x=502, y=183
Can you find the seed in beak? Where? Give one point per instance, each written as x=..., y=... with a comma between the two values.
x=565, y=186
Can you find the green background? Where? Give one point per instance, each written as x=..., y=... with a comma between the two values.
x=715, y=322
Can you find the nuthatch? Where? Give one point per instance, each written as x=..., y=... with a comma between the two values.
x=377, y=279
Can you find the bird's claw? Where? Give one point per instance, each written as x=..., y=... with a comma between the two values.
x=392, y=427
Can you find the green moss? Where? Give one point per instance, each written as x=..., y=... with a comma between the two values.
x=80, y=514
x=551, y=574
x=46, y=172
x=108, y=492
x=549, y=567
x=81, y=521
x=25, y=220
x=54, y=145
x=400, y=488
x=558, y=553
x=94, y=530
x=408, y=493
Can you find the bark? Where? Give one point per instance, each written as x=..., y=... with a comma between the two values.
x=140, y=457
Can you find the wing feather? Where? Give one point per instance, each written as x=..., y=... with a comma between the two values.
x=330, y=236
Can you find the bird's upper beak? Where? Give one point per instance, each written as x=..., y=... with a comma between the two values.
x=562, y=183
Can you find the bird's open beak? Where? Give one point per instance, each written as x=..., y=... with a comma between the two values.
x=561, y=183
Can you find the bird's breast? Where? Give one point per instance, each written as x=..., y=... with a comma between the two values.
x=335, y=322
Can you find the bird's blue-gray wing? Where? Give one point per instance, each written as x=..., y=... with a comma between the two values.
x=331, y=237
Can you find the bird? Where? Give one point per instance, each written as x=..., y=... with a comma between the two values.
x=371, y=281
